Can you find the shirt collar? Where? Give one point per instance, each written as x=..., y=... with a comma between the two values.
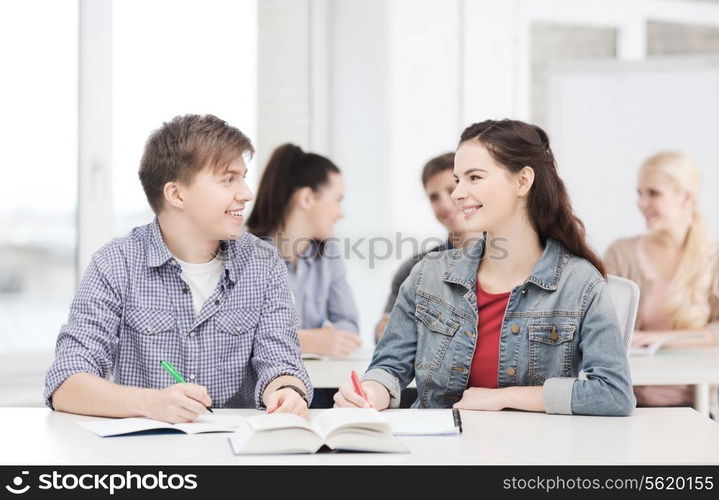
x=231, y=251
x=464, y=262
x=158, y=253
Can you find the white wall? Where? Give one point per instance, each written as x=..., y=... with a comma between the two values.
x=606, y=118
x=394, y=102
x=283, y=74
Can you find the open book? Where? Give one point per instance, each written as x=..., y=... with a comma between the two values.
x=204, y=423
x=652, y=348
x=348, y=429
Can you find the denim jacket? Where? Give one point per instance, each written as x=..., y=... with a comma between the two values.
x=559, y=322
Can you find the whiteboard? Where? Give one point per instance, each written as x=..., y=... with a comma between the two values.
x=606, y=117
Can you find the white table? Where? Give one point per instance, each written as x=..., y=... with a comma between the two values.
x=652, y=436
x=698, y=367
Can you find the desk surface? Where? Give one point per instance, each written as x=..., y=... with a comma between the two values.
x=676, y=366
x=650, y=436
x=668, y=366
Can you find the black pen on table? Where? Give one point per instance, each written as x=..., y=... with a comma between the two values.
x=457, y=419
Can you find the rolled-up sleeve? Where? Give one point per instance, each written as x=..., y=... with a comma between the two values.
x=607, y=389
x=557, y=395
x=88, y=342
x=276, y=349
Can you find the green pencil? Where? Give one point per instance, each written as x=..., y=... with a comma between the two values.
x=176, y=375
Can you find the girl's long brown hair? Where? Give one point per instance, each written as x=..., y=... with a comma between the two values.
x=515, y=145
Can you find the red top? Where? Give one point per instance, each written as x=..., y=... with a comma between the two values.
x=485, y=362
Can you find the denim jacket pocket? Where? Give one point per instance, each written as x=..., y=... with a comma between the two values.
x=235, y=333
x=550, y=351
x=436, y=321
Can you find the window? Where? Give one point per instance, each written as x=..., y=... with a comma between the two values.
x=555, y=43
x=172, y=58
x=38, y=193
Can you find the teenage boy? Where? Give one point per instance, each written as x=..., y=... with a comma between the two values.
x=438, y=182
x=191, y=289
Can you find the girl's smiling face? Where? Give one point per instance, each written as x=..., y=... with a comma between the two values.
x=486, y=192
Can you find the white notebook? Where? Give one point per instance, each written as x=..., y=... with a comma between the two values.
x=204, y=423
x=652, y=348
x=423, y=423
x=348, y=429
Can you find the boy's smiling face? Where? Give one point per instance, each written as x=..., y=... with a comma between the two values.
x=214, y=201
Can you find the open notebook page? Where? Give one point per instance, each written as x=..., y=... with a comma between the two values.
x=422, y=423
x=204, y=423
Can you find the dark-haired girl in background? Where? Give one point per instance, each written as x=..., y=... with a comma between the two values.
x=297, y=205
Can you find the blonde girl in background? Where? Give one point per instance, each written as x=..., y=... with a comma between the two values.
x=676, y=265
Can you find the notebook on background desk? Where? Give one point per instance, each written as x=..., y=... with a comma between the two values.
x=651, y=348
x=361, y=354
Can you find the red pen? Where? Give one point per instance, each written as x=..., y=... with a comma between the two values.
x=358, y=386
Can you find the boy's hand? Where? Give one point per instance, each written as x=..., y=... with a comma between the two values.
x=177, y=403
x=287, y=401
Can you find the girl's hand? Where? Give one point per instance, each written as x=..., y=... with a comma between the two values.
x=377, y=396
x=328, y=341
x=480, y=398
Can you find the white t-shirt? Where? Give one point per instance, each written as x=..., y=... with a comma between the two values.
x=202, y=279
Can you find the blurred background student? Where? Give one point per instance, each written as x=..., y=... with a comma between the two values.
x=298, y=203
x=438, y=182
x=676, y=265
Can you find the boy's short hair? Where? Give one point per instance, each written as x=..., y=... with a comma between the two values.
x=436, y=165
x=183, y=147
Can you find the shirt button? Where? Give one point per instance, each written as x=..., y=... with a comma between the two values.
x=192, y=376
x=524, y=291
x=515, y=329
x=185, y=290
x=150, y=329
x=191, y=334
x=217, y=302
x=510, y=371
